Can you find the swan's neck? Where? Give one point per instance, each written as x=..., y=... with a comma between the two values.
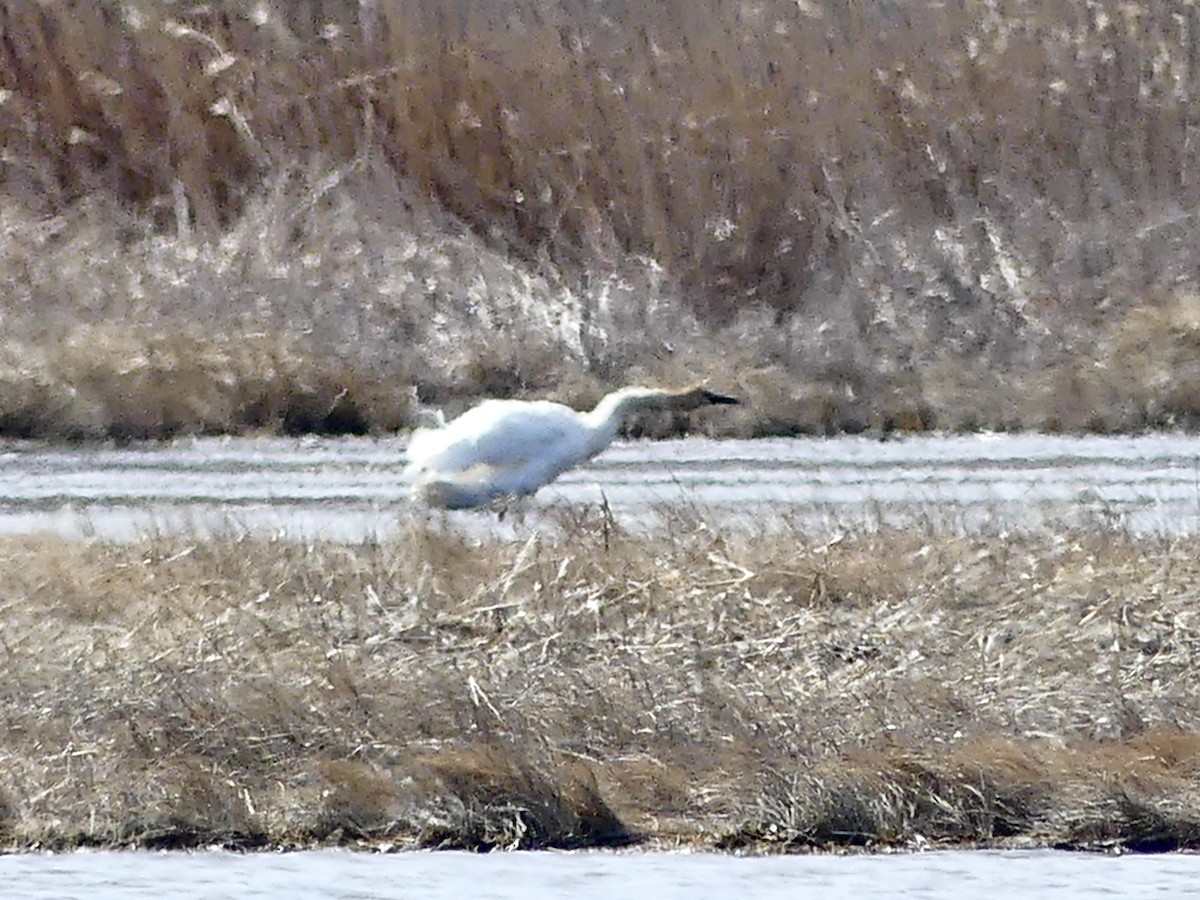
x=606, y=418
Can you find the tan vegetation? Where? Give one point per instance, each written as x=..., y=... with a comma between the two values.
x=584, y=686
x=234, y=215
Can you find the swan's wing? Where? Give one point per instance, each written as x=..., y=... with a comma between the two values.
x=501, y=434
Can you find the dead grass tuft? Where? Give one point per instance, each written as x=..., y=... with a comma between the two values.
x=486, y=798
x=1103, y=796
x=102, y=381
x=187, y=802
x=359, y=801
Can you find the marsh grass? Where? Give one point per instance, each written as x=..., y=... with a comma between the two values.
x=129, y=384
x=889, y=216
x=586, y=686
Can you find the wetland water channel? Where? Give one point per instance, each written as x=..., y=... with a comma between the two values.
x=340, y=874
x=350, y=489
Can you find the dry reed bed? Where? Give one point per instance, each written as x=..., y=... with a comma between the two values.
x=584, y=686
x=878, y=215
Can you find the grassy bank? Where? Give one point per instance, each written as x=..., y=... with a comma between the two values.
x=586, y=687
x=232, y=216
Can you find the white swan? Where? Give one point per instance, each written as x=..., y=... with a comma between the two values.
x=503, y=448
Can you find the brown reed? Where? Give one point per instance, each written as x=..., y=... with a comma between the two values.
x=586, y=686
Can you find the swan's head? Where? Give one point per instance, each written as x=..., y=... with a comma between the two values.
x=698, y=396
x=612, y=408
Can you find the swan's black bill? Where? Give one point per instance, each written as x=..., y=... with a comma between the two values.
x=721, y=399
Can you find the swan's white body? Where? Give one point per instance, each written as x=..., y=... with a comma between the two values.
x=504, y=448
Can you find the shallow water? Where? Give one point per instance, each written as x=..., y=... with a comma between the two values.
x=352, y=488
x=329, y=874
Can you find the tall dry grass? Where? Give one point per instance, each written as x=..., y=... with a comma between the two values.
x=588, y=686
x=872, y=215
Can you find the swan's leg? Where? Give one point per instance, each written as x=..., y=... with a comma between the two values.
x=427, y=518
x=524, y=504
x=516, y=505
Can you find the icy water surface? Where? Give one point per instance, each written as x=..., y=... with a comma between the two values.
x=520, y=876
x=351, y=489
